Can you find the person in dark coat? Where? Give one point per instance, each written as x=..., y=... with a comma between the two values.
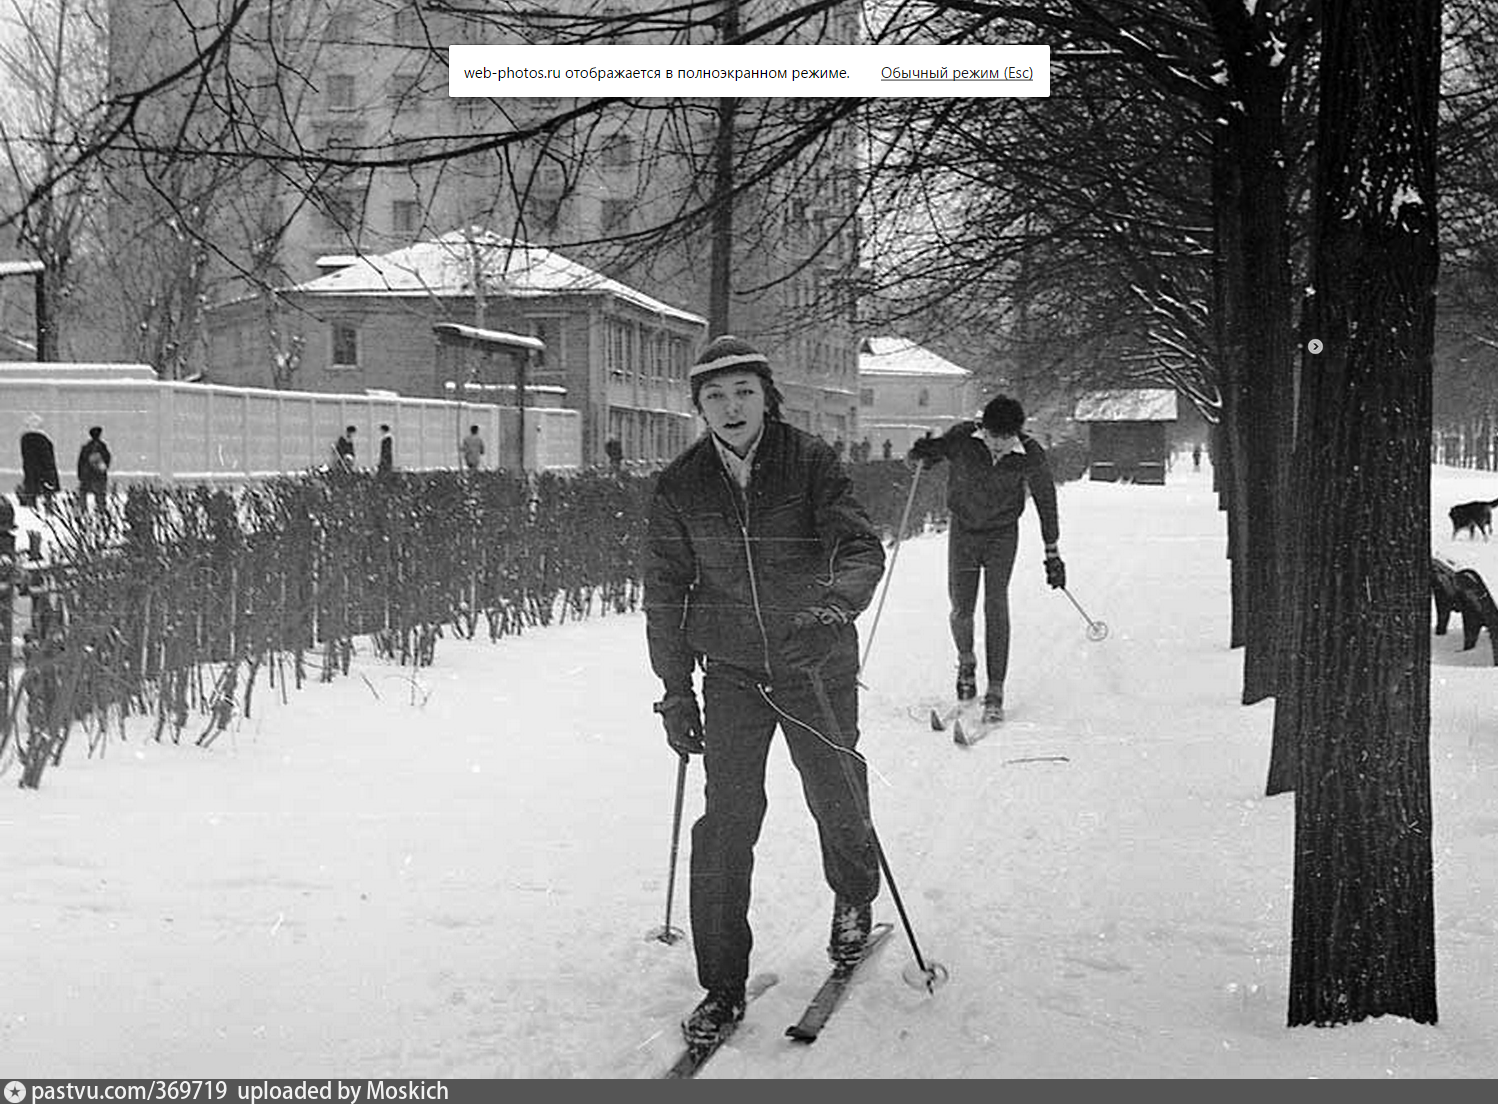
x=39, y=479
x=93, y=470
x=993, y=463
x=387, y=452
x=472, y=449
x=758, y=559
x=343, y=449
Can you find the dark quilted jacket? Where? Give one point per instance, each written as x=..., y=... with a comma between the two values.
x=983, y=496
x=725, y=571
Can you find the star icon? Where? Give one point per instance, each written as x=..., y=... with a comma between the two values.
x=15, y=1092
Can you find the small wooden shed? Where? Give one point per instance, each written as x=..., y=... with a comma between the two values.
x=1128, y=433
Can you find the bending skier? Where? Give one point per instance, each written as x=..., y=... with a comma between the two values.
x=992, y=464
x=758, y=559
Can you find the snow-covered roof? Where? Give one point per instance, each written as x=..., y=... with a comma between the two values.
x=899, y=356
x=1138, y=404
x=444, y=266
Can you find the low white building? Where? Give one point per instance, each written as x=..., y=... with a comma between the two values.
x=619, y=357
x=906, y=390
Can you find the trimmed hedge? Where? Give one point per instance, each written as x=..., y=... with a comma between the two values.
x=177, y=603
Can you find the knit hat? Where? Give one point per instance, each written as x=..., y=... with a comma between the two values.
x=1003, y=415
x=726, y=353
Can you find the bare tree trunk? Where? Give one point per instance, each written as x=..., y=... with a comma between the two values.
x=1227, y=450
x=1363, y=917
x=1252, y=226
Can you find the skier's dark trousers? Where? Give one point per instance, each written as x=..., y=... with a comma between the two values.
x=758, y=559
x=740, y=723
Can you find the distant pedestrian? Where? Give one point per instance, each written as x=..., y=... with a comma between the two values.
x=1196, y=456
x=615, y=452
x=387, y=452
x=38, y=463
x=93, y=470
x=472, y=449
x=889, y=448
x=343, y=449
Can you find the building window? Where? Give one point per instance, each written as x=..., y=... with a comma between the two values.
x=618, y=151
x=543, y=212
x=268, y=101
x=613, y=18
x=338, y=139
x=340, y=210
x=545, y=331
x=345, y=345
x=923, y=398
x=340, y=27
x=616, y=348
x=404, y=92
x=549, y=179
x=407, y=25
x=340, y=90
x=865, y=396
x=615, y=219
x=655, y=344
x=405, y=216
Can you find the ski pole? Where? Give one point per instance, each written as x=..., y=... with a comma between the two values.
x=931, y=974
x=1096, y=630
x=889, y=571
x=666, y=933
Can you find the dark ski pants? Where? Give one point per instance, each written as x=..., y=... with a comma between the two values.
x=739, y=723
x=991, y=556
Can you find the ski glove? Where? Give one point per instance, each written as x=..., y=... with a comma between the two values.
x=814, y=633
x=1055, y=571
x=926, y=450
x=682, y=721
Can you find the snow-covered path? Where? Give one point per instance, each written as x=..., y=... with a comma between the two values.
x=451, y=874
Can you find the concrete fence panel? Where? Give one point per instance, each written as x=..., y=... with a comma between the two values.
x=195, y=432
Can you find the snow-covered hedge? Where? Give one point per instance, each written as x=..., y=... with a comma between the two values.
x=180, y=599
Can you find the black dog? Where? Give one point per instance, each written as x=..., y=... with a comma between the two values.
x=1472, y=516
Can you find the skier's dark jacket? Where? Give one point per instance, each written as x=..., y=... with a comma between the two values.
x=725, y=571
x=984, y=496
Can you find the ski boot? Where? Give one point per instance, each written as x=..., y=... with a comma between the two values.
x=850, y=928
x=721, y=1008
x=993, y=707
x=967, y=678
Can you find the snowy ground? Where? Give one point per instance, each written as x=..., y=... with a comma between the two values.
x=452, y=875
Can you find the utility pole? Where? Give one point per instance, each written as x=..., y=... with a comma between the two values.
x=720, y=287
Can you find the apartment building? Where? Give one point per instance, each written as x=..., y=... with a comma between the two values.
x=354, y=81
